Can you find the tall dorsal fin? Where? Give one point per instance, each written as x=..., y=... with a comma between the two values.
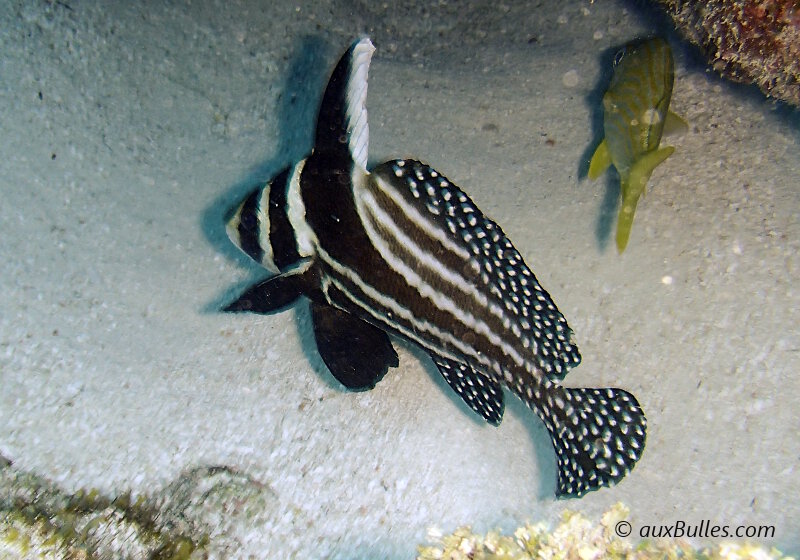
x=342, y=121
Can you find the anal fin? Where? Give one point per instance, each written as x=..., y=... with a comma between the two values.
x=357, y=353
x=481, y=394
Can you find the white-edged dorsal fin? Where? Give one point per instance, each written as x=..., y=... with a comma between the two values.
x=342, y=121
x=357, y=125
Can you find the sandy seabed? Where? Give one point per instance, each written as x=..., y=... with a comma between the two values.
x=130, y=129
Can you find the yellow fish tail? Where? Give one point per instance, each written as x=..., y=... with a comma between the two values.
x=625, y=221
x=632, y=187
x=601, y=160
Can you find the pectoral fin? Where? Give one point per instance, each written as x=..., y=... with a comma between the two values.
x=357, y=354
x=274, y=293
x=481, y=394
x=674, y=125
x=601, y=159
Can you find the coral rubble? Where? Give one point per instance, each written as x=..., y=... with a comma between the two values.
x=754, y=41
x=576, y=537
x=205, y=512
x=38, y=520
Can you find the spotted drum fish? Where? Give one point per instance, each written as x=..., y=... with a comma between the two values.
x=636, y=108
x=402, y=250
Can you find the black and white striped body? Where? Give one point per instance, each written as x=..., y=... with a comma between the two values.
x=403, y=250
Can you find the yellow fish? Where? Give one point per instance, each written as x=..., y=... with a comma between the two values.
x=636, y=109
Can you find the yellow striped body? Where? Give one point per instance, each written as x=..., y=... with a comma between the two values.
x=636, y=108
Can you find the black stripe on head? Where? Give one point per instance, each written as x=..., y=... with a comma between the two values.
x=281, y=234
x=248, y=226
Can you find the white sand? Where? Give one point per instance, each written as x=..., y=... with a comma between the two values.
x=128, y=131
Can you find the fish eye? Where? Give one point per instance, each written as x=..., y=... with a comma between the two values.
x=620, y=55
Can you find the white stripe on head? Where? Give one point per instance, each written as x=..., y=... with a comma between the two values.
x=296, y=212
x=253, y=238
x=267, y=259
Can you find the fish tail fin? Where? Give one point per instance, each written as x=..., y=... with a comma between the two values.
x=601, y=160
x=633, y=186
x=598, y=435
x=625, y=218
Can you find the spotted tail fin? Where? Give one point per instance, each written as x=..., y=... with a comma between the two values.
x=598, y=435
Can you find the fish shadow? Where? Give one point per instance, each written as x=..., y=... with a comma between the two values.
x=297, y=113
x=543, y=449
x=608, y=210
x=297, y=110
x=594, y=101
